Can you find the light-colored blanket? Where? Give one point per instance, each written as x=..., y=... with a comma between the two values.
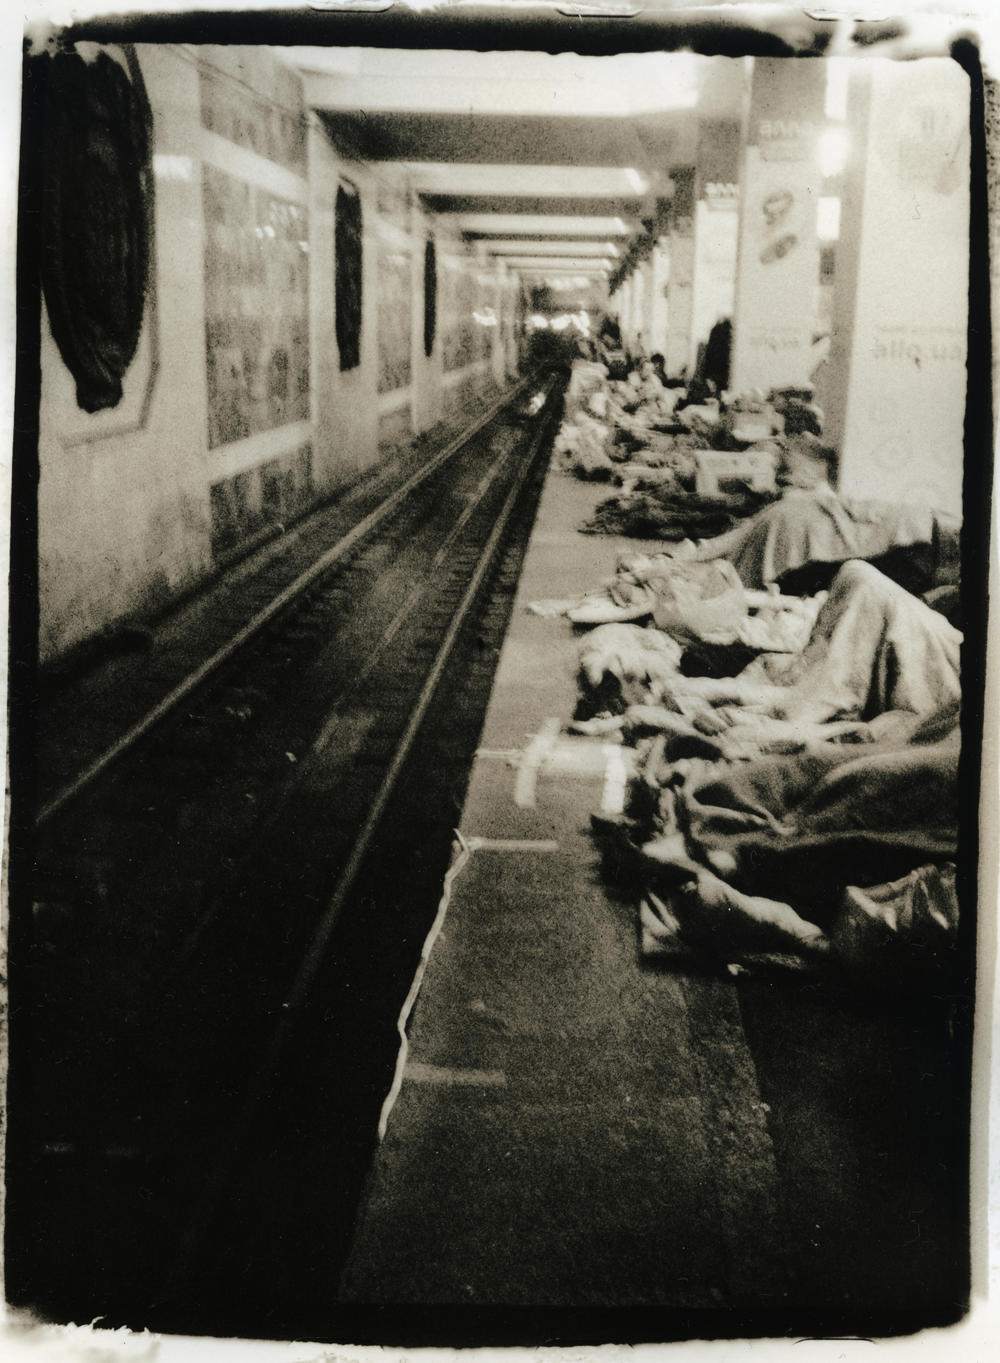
x=819, y=526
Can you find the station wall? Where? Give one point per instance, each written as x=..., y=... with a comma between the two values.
x=237, y=414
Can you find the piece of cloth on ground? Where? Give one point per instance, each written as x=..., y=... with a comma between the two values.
x=695, y=600
x=674, y=515
x=896, y=936
x=803, y=827
x=582, y=444
x=905, y=927
x=874, y=647
x=723, y=611
x=826, y=856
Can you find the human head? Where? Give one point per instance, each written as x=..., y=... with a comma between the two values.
x=806, y=462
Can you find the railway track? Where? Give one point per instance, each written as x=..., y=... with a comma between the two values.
x=228, y=900
x=190, y=649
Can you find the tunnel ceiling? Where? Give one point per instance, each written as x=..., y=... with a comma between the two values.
x=510, y=138
x=548, y=162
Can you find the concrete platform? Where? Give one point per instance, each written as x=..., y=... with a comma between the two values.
x=578, y=1129
x=561, y=1135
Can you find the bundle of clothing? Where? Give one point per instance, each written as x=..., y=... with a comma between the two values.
x=786, y=677
x=582, y=445
x=609, y=419
x=793, y=546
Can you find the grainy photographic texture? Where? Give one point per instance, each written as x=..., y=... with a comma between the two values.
x=498, y=674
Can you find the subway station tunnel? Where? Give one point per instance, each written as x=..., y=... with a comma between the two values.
x=370, y=980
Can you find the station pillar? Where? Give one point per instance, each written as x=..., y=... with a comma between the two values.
x=643, y=314
x=498, y=355
x=777, y=276
x=680, y=294
x=624, y=310
x=896, y=379
x=633, y=292
x=425, y=380
x=659, y=284
x=716, y=229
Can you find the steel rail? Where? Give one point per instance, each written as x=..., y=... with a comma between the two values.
x=314, y=954
x=263, y=617
x=335, y=708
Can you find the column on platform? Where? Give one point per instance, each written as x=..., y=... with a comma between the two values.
x=650, y=335
x=628, y=313
x=896, y=374
x=716, y=228
x=425, y=390
x=680, y=236
x=614, y=304
x=498, y=358
x=659, y=284
x=642, y=317
x=777, y=275
x=619, y=309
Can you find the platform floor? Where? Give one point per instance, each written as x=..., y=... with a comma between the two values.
x=575, y=1128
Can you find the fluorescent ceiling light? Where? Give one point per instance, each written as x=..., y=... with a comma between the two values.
x=838, y=71
x=832, y=150
x=828, y=218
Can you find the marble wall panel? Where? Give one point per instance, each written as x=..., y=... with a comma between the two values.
x=254, y=121
x=258, y=500
x=395, y=318
x=256, y=308
x=461, y=297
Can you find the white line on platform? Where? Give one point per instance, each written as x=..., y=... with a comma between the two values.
x=615, y=780
x=535, y=754
x=511, y=845
x=418, y=1073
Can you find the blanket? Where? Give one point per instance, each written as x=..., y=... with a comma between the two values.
x=819, y=526
x=749, y=851
x=804, y=827
x=816, y=862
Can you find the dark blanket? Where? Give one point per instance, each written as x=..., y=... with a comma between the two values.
x=802, y=828
x=668, y=514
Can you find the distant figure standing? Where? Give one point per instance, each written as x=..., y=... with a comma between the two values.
x=609, y=349
x=660, y=367
x=610, y=334
x=714, y=367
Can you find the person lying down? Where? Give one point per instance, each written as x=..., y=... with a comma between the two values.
x=831, y=856
x=876, y=655
x=764, y=804
x=800, y=540
x=793, y=547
